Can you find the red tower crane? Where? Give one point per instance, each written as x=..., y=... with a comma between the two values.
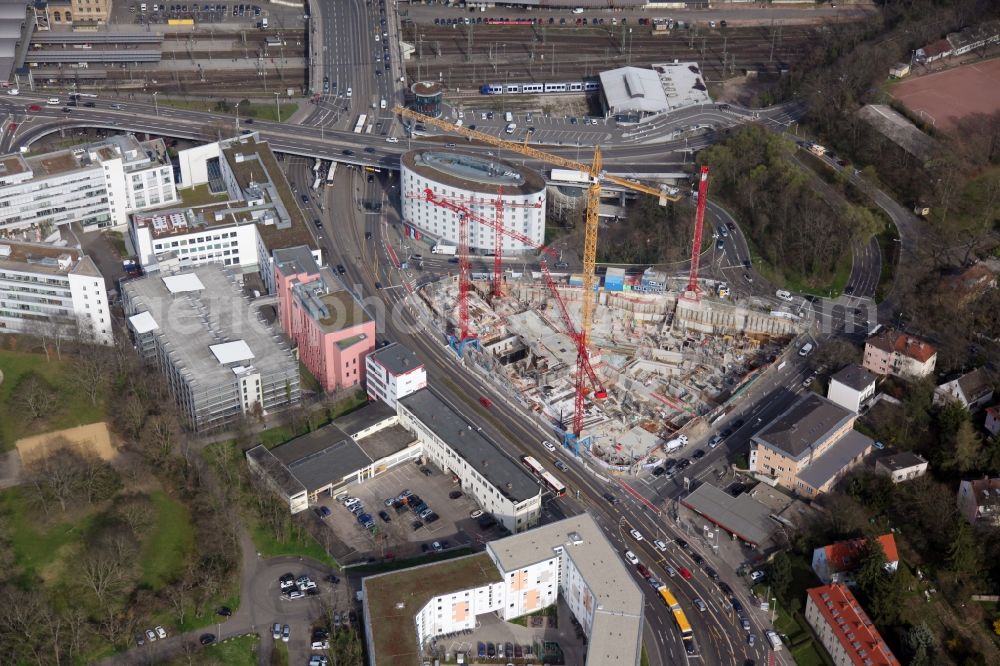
x=693, y=292
x=498, y=205
x=584, y=371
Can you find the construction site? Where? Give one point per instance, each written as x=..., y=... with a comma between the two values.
x=627, y=368
x=666, y=364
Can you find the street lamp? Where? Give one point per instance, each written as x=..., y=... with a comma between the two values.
x=277, y=102
x=156, y=107
x=238, y=117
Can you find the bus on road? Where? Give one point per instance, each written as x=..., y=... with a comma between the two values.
x=548, y=480
x=330, y=174
x=359, y=127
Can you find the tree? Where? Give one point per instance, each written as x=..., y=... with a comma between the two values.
x=136, y=511
x=968, y=447
x=103, y=568
x=921, y=643
x=90, y=369
x=58, y=477
x=780, y=574
x=34, y=396
x=963, y=555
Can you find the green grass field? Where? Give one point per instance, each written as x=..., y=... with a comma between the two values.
x=38, y=547
x=261, y=111
x=168, y=545
x=305, y=546
x=240, y=651
x=74, y=407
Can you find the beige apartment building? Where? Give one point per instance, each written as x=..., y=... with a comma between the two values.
x=898, y=354
x=809, y=446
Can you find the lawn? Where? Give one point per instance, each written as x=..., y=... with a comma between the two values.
x=74, y=407
x=240, y=651
x=37, y=547
x=200, y=195
x=262, y=111
x=168, y=545
x=302, y=545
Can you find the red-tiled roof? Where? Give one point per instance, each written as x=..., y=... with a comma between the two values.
x=844, y=555
x=851, y=626
x=901, y=343
x=937, y=48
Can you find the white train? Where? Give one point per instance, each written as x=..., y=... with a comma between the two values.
x=538, y=88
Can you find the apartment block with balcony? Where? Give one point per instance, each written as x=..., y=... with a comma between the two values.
x=57, y=288
x=95, y=185
x=331, y=329
x=219, y=358
x=898, y=354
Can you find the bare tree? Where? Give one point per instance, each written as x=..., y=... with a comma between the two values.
x=91, y=370
x=105, y=565
x=133, y=415
x=58, y=477
x=136, y=511
x=34, y=396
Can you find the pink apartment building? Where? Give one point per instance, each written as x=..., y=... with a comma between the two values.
x=894, y=353
x=332, y=331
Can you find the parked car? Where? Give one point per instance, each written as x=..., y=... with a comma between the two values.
x=455, y=494
x=207, y=639
x=160, y=631
x=757, y=575
x=150, y=635
x=476, y=514
x=286, y=632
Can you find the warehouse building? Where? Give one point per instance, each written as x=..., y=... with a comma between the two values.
x=472, y=181
x=221, y=361
x=631, y=94
x=521, y=574
x=354, y=448
x=499, y=484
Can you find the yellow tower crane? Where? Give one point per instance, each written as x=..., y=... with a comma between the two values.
x=596, y=176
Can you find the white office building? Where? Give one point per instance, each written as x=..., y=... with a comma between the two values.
x=499, y=484
x=473, y=182
x=257, y=213
x=219, y=358
x=852, y=387
x=393, y=372
x=55, y=289
x=518, y=575
x=95, y=185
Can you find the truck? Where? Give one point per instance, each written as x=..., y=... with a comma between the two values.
x=675, y=443
x=441, y=248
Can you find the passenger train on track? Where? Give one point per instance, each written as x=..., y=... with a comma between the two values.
x=538, y=88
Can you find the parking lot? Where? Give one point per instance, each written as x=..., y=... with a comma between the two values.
x=401, y=536
x=199, y=12
x=505, y=642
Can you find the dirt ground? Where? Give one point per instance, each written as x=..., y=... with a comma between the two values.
x=94, y=438
x=954, y=93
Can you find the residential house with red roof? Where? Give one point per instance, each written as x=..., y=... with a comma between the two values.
x=895, y=353
x=836, y=562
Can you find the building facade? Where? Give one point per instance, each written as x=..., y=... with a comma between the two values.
x=992, y=423
x=809, y=446
x=330, y=328
x=893, y=353
x=192, y=238
x=498, y=484
x=473, y=182
x=844, y=628
x=902, y=466
x=56, y=289
x=851, y=387
x=972, y=391
x=95, y=185
x=569, y=559
x=393, y=372
x=979, y=501
x=220, y=360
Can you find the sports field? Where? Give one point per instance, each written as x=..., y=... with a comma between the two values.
x=944, y=97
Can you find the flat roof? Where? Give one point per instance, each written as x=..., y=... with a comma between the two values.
x=295, y=260
x=331, y=465
x=899, y=460
x=232, y=352
x=743, y=516
x=836, y=458
x=392, y=601
x=502, y=472
x=190, y=322
x=473, y=171
x=385, y=442
x=810, y=419
x=617, y=629
x=364, y=417
x=397, y=359
x=275, y=470
x=45, y=258
x=855, y=377
x=182, y=282
x=143, y=323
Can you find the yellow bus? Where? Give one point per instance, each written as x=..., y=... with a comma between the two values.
x=679, y=617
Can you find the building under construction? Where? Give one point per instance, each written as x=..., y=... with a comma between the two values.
x=669, y=364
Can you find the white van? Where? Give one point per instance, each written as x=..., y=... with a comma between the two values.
x=509, y=117
x=806, y=349
x=510, y=128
